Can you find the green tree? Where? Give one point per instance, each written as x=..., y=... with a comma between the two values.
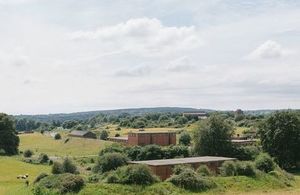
x=280, y=137
x=9, y=141
x=103, y=135
x=185, y=138
x=212, y=137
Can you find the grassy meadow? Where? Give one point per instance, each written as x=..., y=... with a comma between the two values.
x=40, y=143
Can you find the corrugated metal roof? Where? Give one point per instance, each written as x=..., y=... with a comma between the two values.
x=177, y=161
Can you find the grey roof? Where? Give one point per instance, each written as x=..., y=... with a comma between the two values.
x=118, y=138
x=151, y=132
x=176, y=161
x=243, y=140
x=79, y=133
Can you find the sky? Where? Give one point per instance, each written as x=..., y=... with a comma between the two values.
x=71, y=55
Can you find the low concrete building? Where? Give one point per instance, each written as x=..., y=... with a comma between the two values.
x=123, y=140
x=163, y=168
x=83, y=134
x=243, y=142
x=199, y=115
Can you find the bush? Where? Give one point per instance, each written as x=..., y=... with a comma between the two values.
x=134, y=152
x=246, y=152
x=104, y=135
x=109, y=161
x=151, y=152
x=245, y=169
x=203, y=170
x=57, y=168
x=188, y=179
x=264, y=163
x=132, y=174
x=57, y=136
x=43, y=158
x=27, y=153
x=181, y=168
x=39, y=177
x=117, y=135
x=68, y=166
x=228, y=168
x=63, y=183
x=114, y=148
x=185, y=139
x=175, y=151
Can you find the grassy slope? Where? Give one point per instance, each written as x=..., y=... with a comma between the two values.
x=75, y=147
x=10, y=168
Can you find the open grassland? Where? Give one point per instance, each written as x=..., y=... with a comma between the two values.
x=74, y=147
x=10, y=168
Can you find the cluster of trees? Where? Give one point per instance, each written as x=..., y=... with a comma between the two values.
x=148, y=152
x=279, y=134
x=23, y=124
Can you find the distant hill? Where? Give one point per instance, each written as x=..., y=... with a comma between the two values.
x=90, y=114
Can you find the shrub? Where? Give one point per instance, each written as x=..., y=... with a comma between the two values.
x=245, y=168
x=104, y=135
x=39, y=177
x=175, y=151
x=203, y=170
x=132, y=174
x=63, y=183
x=118, y=129
x=68, y=166
x=114, y=148
x=109, y=161
x=117, y=135
x=57, y=136
x=188, y=179
x=264, y=163
x=180, y=168
x=228, y=168
x=134, y=152
x=57, y=168
x=150, y=152
x=185, y=139
x=43, y=158
x=246, y=152
x=27, y=153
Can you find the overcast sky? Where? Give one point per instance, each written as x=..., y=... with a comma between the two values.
x=80, y=55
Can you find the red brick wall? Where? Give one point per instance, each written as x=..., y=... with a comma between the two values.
x=162, y=139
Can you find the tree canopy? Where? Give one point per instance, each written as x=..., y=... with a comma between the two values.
x=212, y=137
x=280, y=137
x=9, y=141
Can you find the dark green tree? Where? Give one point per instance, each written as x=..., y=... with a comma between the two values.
x=280, y=137
x=9, y=141
x=212, y=137
x=185, y=138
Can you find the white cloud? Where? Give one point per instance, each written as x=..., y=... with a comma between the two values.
x=268, y=50
x=143, y=36
x=182, y=64
x=135, y=71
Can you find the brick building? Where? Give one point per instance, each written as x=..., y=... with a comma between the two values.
x=142, y=138
x=146, y=138
x=163, y=168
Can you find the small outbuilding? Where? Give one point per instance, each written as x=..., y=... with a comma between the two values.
x=163, y=168
x=83, y=134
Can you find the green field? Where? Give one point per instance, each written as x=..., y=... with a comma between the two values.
x=10, y=168
x=39, y=143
